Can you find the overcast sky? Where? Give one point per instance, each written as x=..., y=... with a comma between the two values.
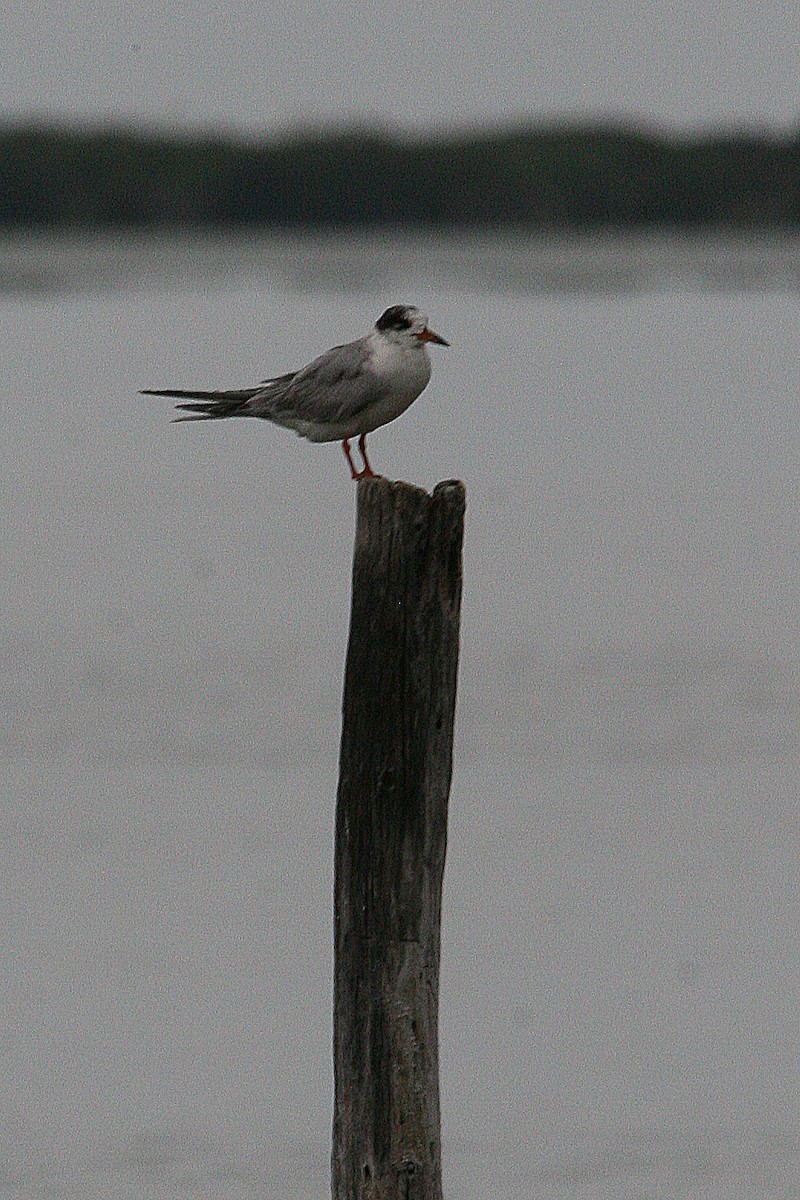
x=263, y=66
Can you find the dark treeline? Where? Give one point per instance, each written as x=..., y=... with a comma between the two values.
x=555, y=178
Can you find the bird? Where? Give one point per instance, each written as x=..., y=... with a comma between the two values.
x=347, y=392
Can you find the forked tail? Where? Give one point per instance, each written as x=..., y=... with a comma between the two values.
x=214, y=405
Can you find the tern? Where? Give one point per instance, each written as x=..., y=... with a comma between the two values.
x=345, y=393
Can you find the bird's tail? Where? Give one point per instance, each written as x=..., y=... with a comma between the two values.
x=214, y=405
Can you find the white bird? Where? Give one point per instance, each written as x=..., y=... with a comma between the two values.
x=346, y=392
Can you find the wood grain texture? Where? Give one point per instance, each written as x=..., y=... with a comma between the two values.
x=391, y=838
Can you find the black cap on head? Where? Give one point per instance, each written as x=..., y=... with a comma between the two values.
x=399, y=316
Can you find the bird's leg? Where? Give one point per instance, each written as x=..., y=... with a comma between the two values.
x=349, y=457
x=367, y=471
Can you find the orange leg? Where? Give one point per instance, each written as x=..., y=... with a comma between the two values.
x=367, y=471
x=348, y=456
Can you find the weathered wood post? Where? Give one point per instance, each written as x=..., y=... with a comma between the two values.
x=391, y=836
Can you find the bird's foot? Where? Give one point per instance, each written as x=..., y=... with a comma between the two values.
x=366, y=471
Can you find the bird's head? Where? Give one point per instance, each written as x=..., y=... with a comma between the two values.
x=403, y=321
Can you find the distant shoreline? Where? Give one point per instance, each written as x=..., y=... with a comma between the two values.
x=557, y=178
x=48, y=261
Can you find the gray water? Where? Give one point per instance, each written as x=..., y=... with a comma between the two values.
x=620, y=975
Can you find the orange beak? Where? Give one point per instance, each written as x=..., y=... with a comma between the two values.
x=428, y=335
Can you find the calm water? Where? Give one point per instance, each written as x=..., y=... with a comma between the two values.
x=620, y=982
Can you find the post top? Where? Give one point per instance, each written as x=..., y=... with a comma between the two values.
x=380, y=483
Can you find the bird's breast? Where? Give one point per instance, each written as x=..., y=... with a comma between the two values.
x=401, y=382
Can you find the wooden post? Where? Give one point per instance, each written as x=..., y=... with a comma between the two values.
x=391, y=836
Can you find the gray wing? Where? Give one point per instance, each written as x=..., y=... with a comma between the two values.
x=333, y=388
